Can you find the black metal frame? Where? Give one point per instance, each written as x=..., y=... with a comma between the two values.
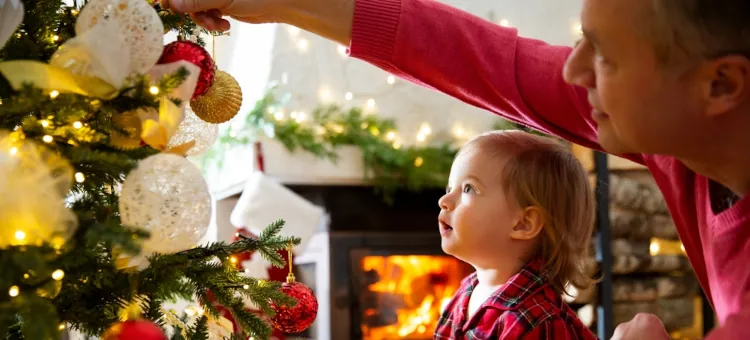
x=605, y=319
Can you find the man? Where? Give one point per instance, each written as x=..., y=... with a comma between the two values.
x=662, y=82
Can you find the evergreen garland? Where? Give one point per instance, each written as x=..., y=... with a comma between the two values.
x=389, y=166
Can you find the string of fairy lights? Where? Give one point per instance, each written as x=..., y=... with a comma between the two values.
x=460, y=132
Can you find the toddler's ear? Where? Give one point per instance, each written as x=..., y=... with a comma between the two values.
x=529, y=226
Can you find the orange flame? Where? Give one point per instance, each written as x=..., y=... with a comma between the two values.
x=416, y=287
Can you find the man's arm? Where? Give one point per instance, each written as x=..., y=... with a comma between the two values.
x=437, y=46
x=476, y=61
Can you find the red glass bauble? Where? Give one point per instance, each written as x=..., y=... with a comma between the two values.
x=134, y=330
x=298, y=318
x=195, y=54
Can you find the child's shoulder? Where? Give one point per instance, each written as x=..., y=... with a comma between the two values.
x=545, y=313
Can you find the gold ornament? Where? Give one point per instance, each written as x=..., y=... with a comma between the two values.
x=222, y=101
x=131, y=124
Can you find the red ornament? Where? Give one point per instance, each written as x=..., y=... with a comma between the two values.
x=298, y=318
x=134, y=330
x=195, y=54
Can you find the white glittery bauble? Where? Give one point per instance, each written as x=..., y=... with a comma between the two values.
x=140, y=26
x=195, y=129
x=34, y=182
x=167, y=196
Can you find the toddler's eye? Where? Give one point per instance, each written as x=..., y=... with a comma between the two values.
x=468, y=188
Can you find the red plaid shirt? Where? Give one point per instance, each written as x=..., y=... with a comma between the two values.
x=526, y=307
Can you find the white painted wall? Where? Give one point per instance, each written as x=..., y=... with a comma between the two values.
x=315, y=70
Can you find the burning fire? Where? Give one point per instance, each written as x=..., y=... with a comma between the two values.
x=407, y=294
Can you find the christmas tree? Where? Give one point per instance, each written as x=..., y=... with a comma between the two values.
x=100, y=210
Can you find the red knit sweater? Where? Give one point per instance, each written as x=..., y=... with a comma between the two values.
x=490, y=67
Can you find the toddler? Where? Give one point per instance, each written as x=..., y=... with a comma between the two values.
x=519, y=208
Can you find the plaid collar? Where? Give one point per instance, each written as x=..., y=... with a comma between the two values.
x=518, y=288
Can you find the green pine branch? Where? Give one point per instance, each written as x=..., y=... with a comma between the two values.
x=95, y=288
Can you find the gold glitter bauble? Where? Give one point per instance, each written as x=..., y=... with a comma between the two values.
x=222, y=101
x=131, y=123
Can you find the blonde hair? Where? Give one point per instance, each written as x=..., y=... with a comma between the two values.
x=543, y=173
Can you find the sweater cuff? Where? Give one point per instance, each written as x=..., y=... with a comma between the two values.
x=374, y=29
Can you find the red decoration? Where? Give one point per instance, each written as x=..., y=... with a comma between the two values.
x=195, y=54
x=274, y=274
x=298, y=318
x=134, y=330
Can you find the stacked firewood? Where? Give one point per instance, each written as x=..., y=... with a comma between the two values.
x=645, y=279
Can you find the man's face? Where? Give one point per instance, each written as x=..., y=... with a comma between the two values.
x=640, y=105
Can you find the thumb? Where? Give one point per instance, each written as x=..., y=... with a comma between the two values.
x=193, y=6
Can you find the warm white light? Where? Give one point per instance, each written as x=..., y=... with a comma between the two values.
x=20, y=235
x=13, y=151
x=233, y=259
x=79, y=177
x=58, y=275
x=77, y=125
x=391, y=80
x=55, y=38
x=154, y=90
x=504, y=23
x=302, y=44
x=654, y=248
x=54, y=94
x=246, y=286
x=301, y=116
x=425, y=129
x=421, y=138
x=397, y=145
x=279, y=116
x=342, y=50
x=293, y=31
x=247, y=271
x=459, y=132
x=45, y=123
x=13, y=291
x=348, y=96
x=61, y=326
x=418, y=162
x=325, y=94
x=47, y=139
x=390, y=135
x=371, y=103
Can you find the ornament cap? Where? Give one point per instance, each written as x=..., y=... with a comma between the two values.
x=290, y=278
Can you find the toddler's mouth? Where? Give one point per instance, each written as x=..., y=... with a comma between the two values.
x=444, y=227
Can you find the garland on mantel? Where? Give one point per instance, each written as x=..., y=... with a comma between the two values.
x=389, y=165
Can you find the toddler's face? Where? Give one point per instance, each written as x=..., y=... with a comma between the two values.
x=476, y=216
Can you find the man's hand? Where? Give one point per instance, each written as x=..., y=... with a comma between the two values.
x=209, y=13
x=328, y=18
x=642, y=327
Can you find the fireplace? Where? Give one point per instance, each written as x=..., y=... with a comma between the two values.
x=378, y=270
x=402, y=296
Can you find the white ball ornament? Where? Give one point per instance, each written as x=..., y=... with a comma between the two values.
x=195, y=129
x=140, y=27
x=167, y=196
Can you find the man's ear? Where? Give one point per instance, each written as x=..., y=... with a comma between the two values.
x=530, y=225
x=726, y=84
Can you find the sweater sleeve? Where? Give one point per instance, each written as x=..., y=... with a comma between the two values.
x=476, y=61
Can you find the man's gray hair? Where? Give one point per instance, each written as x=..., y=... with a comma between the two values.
x=698, y=29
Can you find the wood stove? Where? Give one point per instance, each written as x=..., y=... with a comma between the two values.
x=378, y=270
